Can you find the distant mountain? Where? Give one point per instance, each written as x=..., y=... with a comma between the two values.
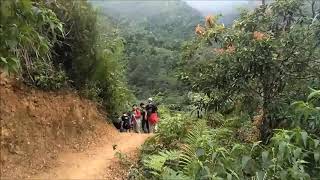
x=172, y=19
x=142, y=10
x=154, y=32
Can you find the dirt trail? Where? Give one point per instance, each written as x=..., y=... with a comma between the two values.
x=94, y=162
x=58, y=135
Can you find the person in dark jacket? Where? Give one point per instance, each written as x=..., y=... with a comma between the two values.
x=151, y=108
x=144, y=120
x=117, y=122
x=126, y=122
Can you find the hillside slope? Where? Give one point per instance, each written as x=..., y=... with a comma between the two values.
x=154, y=32
x=36, y=126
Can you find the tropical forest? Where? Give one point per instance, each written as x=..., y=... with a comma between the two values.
x=160, y=90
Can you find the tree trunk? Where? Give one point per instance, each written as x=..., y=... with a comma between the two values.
x=265, y=127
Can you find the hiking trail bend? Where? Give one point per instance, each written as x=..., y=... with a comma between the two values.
x=95, y=161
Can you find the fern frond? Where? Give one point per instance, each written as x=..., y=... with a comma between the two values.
x=157, y=162
x=314, y=95
x=189, y=162
x=188, y=154
x=170, y=174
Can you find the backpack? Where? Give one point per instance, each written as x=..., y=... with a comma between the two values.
x=153, y=118
x=126, y=122
x=151, y=108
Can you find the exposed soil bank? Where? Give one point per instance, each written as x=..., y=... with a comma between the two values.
x=37, y=126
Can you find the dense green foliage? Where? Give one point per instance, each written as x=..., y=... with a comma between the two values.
x=28, y=32
x=187, y=148
x=249, y=91
x=252, y=80
x=154, y=32
x=93, y=55
x=306, y=114
x=268, y=57
x=65, y=43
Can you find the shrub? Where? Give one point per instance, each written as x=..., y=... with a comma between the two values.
x=206, y=154
x=92, y=54
x=45, y=76
x=28, y=32
x=259, y=61
x=173, y=129
x=193, y=150
x=307, y=114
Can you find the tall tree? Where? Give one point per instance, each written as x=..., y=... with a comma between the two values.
x=264, y=55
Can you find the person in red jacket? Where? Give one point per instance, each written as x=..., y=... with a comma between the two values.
x=136, y=118
x=152, y=115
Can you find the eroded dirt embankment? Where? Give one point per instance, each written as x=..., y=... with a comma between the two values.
x=36, y=126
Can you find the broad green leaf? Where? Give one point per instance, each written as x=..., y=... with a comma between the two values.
x=4, y=60
x=213, y=156
x=316, y=143
x=229, y=176
x=316, y=156
x=14, y=60
x=265, y=155
x=12, y=43
x=244, y=161
x=297, y=152
x=283, y=175
x=304, y=136
x=260, y=175
x=255, y=144
x=237, y=147
x=282, y=148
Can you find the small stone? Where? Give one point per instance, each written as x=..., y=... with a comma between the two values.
x=5, y=132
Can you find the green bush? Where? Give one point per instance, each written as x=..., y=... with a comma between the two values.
x=207, y=154
x=89, y=56
x=266, y=58
x=9, y=64
x=91, y=90
x=307, y=114
x=28, y=32
x=92, y=54
x=259, y=66
x=172, y=129
x=45, y=76
x=190, y=149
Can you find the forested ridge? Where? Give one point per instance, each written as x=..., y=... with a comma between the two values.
x=154, y=32
x=235, y=101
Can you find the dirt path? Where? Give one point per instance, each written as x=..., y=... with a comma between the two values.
x=94, y=162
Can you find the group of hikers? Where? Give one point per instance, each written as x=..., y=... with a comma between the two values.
x=141, y=118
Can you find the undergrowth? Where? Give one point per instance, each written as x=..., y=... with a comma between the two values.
x=56, y=44
x=188, y=148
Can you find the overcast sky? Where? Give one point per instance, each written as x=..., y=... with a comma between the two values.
x=221, y=6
